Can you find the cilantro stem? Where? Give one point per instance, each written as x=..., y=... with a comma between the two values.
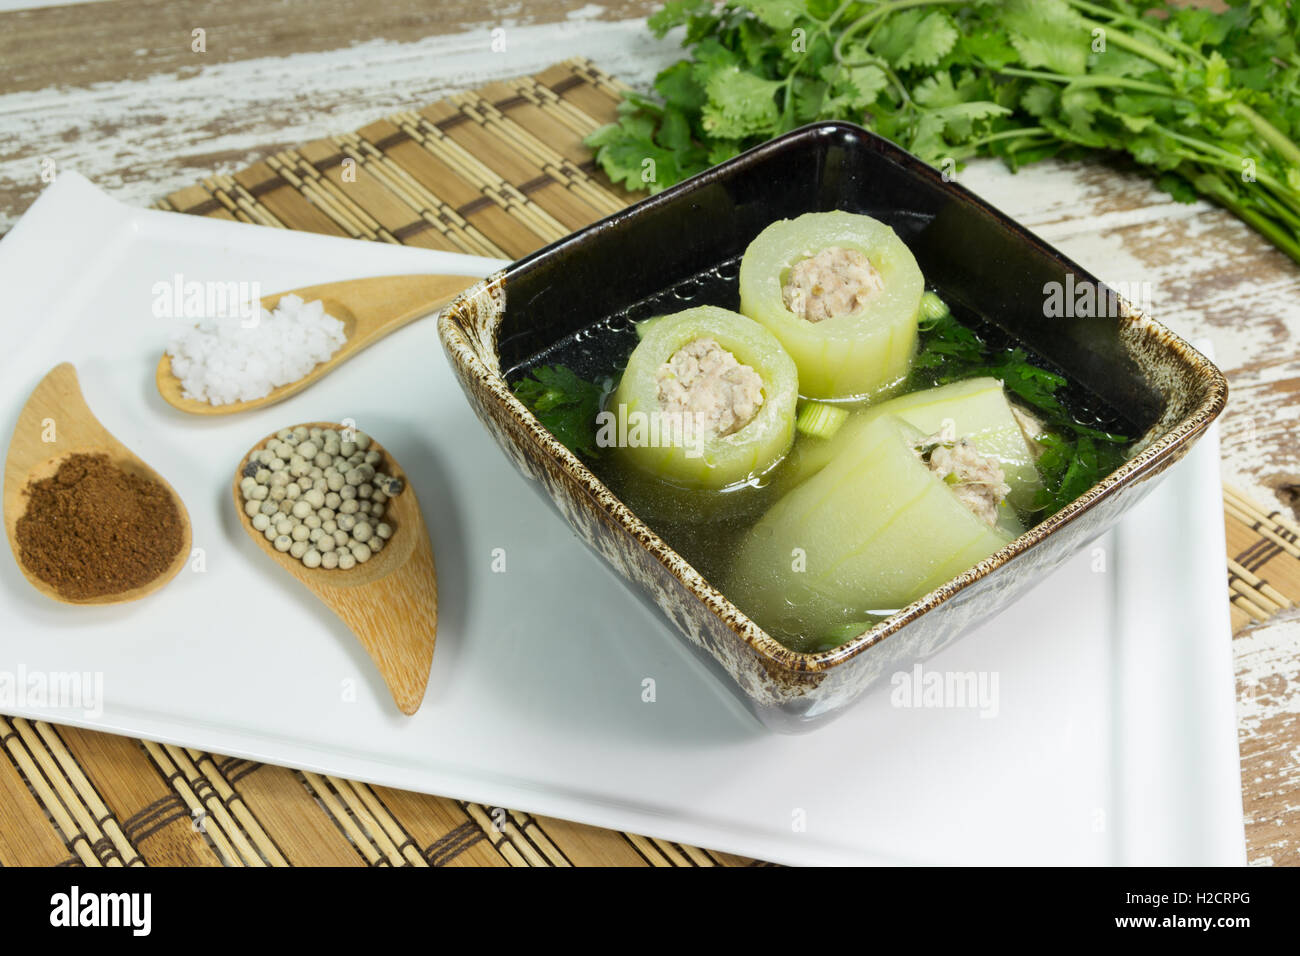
x=1280, y=209
x=1225, y=196
x=1116, y=16
x=1032, y=135
x=1009, y=134
x=1222, y=158
x=1090, y=81
x=1268, y=132
x=1134, y=45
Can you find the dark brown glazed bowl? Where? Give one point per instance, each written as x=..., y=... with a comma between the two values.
x=972, y=253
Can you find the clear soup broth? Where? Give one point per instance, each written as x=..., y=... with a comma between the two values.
x=705, y=526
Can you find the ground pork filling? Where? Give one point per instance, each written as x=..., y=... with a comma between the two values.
x=977, y=480
x=703, y=383
x=835, y=281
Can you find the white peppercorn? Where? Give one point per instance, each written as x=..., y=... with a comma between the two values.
x=317, y=494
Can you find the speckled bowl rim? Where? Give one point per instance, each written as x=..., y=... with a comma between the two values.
x=1148, y=461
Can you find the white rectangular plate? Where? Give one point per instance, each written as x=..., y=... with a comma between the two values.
x=1113, y=741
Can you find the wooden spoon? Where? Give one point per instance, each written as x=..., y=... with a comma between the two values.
x=57, y=411
x=391, y=601
x=368, y=308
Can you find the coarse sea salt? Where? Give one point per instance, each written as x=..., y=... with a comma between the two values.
x=220, y=361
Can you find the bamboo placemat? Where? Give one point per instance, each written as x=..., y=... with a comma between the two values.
x=499, y=171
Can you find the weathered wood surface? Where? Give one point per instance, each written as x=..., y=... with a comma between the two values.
x=114, y=90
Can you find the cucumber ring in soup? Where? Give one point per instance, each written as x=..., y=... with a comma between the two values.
x=977, y=408
x=873, y=531
x=707, y=400
x=842, y=293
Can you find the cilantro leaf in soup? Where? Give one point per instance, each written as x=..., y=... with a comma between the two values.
x=566, y=404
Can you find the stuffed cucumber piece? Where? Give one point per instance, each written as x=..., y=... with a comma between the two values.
x=976, y=408
x=707, y=400
x=874, y=530
x=842, y=293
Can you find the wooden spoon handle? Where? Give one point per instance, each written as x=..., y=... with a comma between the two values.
x=395, y=617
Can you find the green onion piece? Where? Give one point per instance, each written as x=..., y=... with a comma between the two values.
x=933, y=308
x=819, y=420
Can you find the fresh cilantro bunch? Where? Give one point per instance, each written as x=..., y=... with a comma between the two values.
x=1210, y=102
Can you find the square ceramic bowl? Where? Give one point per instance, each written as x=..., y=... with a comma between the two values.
x=687, y=237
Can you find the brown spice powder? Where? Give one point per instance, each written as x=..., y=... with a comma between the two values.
x=92, y=529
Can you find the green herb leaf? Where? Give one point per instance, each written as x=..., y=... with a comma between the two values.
x=915, y=37
x=566, y=404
